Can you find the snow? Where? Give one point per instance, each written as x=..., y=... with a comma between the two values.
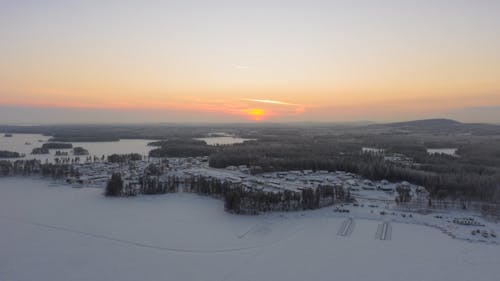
x=447, y=151
x=54, y=232
x=224, y=140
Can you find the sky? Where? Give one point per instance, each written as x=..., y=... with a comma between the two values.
x=248, y=61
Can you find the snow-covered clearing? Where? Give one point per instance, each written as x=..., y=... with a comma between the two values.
x=51, y=232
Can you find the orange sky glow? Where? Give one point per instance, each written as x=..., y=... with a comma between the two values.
x=247, y=61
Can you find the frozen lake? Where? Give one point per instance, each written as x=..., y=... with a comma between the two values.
x=24, y=143
x=51, y=232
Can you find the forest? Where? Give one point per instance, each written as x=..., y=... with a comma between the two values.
x=36, y=167
x=181, y=148
x=124, y=158
x=473, y=173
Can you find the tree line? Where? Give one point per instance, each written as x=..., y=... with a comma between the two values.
x=36, y=167
x=237, y=198
x=124, y=158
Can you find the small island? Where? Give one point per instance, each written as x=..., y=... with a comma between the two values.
x=181, y=148
x=40, y=150
x=10, y=154
x=61, y=153
x=80, y=151
x=57, y=145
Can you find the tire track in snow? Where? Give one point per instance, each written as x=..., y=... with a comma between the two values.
x=139, y=244
x=346, y=228
x=384, y=231
x=261, y=250
x=249, y=230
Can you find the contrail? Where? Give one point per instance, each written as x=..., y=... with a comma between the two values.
x=272, y=102
x=239, y=66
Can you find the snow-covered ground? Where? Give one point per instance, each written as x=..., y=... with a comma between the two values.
x=222, y=140
x=53, y=232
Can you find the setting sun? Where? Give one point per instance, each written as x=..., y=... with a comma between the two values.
x=255, y=114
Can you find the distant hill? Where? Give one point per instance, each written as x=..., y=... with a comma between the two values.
x=440, y=126
x=427, y=123
x=110, y=132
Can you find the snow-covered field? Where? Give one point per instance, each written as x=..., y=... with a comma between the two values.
x=53, y=232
